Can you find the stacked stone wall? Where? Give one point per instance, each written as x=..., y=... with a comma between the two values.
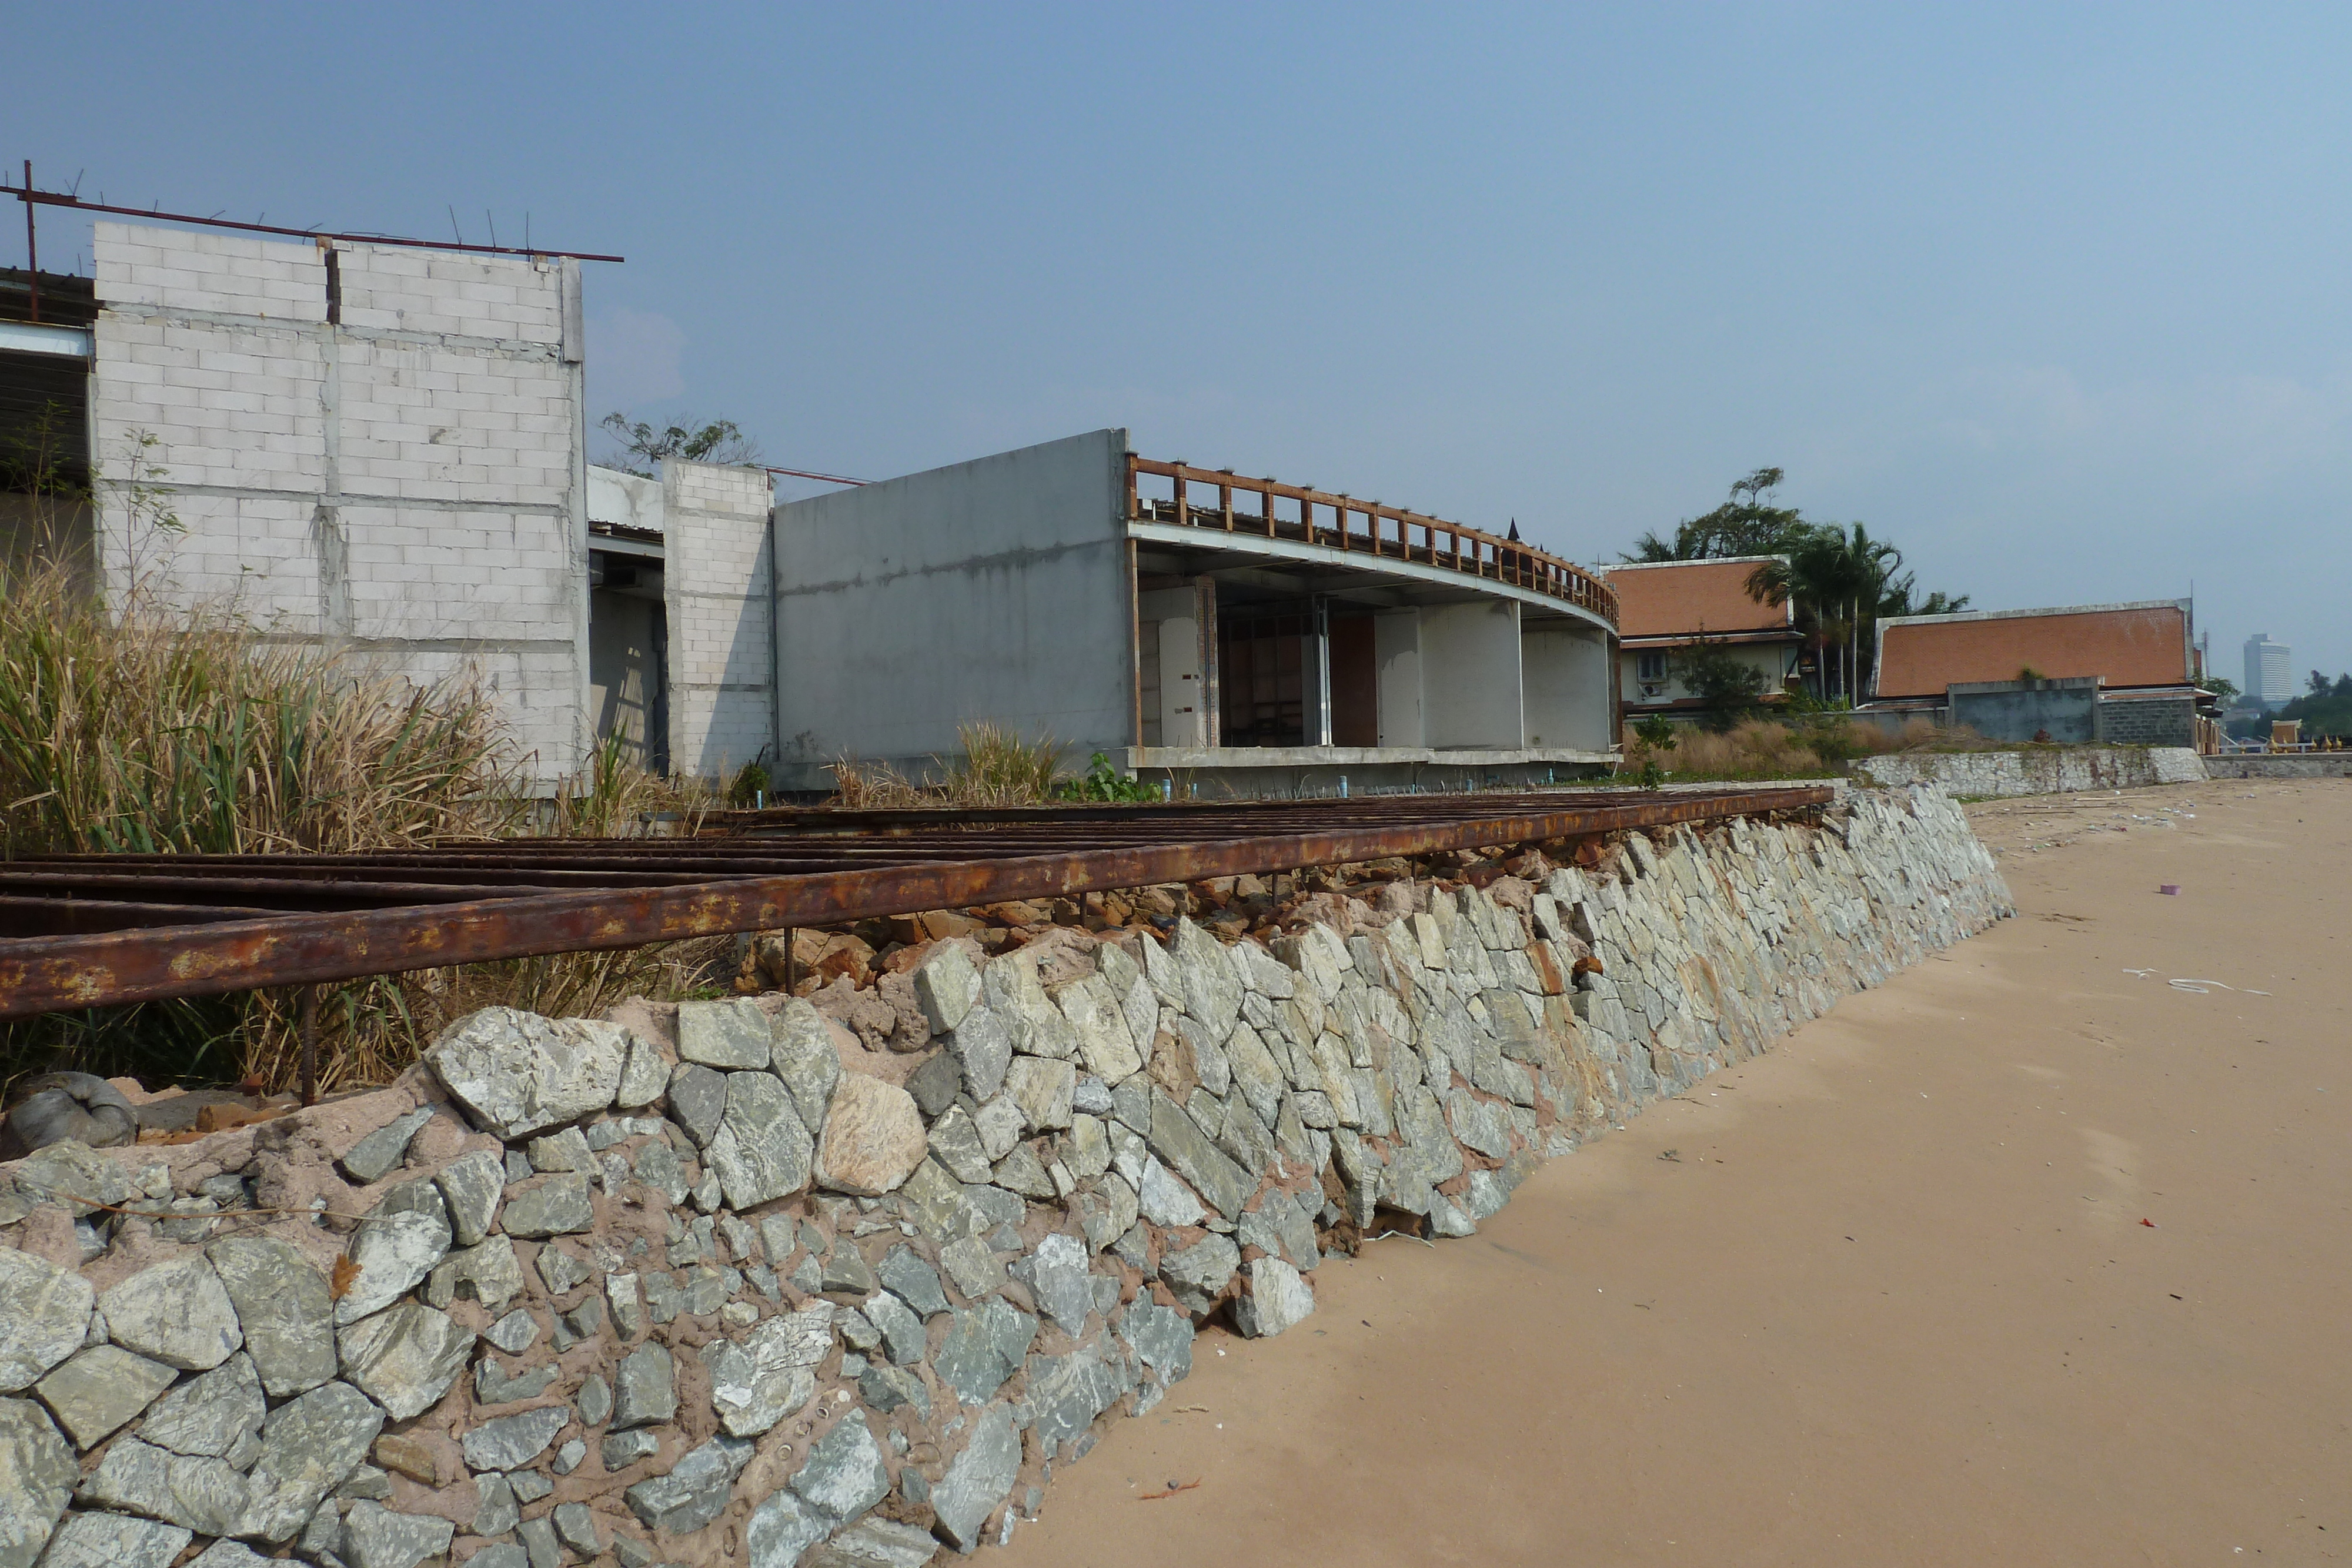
x=1988, y=774
x=775, y=1281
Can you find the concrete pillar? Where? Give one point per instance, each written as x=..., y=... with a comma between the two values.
x=1566, y=675
x=1396, y=650
x=1470, y=677
x=1315, y=674
x=718, y=590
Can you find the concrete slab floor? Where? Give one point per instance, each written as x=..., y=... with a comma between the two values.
x=1883, y=1296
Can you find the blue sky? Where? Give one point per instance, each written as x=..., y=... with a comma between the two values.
x=2056, y=296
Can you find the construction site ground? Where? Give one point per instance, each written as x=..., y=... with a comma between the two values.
x=2038, y=1254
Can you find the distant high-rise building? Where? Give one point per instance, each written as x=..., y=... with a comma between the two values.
x=2270, y=672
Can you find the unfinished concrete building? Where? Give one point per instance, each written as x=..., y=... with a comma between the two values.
x=382, y=448
x=1221, y=634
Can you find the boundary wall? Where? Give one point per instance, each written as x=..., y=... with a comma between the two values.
x=843, y=1280
x=1996, y=774
x=2281, y=765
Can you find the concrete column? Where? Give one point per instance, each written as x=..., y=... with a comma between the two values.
x=1315, y=674
x=1396, y=652
x=718, y=586
x=1470, y=677
x=1567, y=675
x=1204, y=590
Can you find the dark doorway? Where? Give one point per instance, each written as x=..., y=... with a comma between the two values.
x=1261, y=677
x=1355, y=682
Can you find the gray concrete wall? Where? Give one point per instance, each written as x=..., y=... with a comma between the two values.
x=2169, y=720
x=1565, y=671
x=1470, y=680
x=2281, y=765
x=405, y=481
x=995, y=589
x=2064, y=712
x=624, y=671
x=719, y=588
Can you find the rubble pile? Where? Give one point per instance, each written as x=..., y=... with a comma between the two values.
x=841, y=1278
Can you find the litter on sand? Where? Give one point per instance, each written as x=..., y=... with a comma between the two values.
x=2169, y=887
x=1172, y=1489
x=2199, y=987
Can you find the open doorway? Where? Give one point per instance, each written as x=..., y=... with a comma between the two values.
x=1354, y=681
x=1262, y=669
x=45, y=479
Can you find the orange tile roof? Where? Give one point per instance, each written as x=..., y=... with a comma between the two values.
x=2144, y=644
x=1685, y=597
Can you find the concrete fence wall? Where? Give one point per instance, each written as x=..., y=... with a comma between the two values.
x=1987, y=774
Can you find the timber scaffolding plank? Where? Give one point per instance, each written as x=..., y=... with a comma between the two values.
x=81, y=931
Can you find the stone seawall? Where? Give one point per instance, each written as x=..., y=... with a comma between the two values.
x=2281, y=765
x=1989, y=774
x=738, y=1281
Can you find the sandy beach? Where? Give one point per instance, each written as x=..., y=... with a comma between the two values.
x=2034, y=1255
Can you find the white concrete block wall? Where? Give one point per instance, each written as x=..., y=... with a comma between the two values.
x=718, y=592
x=448, y=293
x=407, y=479
x=229, y=275
x=441, y=424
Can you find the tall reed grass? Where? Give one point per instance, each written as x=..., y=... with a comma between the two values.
x=143, y=727
x=997, y=766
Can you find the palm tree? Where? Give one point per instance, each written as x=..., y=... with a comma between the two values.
x=1838, y=576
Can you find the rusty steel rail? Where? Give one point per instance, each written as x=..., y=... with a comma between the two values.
x=80, y=931
x=1472, y=551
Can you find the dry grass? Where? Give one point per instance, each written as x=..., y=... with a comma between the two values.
x=995, y=768
x=164, y=730
x=1761, y=748
x=152, y=732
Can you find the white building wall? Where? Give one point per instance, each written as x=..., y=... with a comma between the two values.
x=1470, y=679
x=1774, y=662
x=405, y=479
x=1565, y=670
x=718, y=590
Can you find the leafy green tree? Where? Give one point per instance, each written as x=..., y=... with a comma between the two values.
x=1726, y=685
x=2324, y=710
x=1896, y=601
x=1746, y=523
x=1657, y=732
x=643, y=447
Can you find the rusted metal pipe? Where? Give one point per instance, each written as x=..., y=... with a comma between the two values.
x=723, y=893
